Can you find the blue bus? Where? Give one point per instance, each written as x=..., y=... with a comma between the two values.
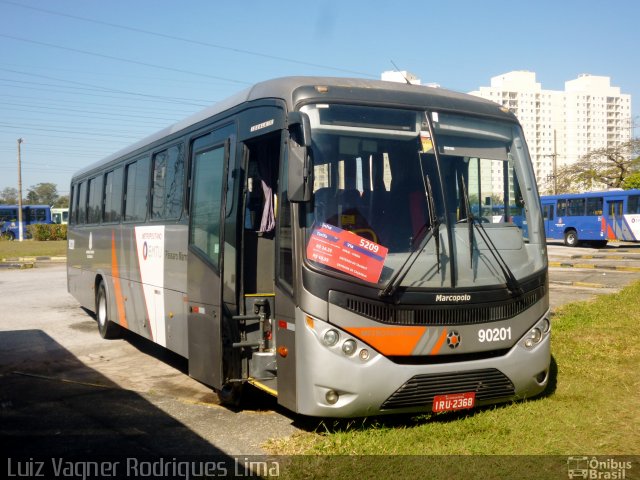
x=594, y=217
x=30, y=214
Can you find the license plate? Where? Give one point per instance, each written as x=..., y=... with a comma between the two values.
x=455, y=401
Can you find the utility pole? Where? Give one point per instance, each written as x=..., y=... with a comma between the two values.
x=20, y=233
x=554, y=164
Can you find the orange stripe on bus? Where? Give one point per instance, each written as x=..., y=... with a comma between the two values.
x=436, y=348
x=394, y=340
x=115, y=273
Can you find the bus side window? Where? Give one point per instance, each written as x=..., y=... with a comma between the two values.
x=562, y=208
x=94, y=209
x=594, y=206
x=547, y=211
x=82, y=204
x=113, y=196
x=168, y=181
x=137, y=186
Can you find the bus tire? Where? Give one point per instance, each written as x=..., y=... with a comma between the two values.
x=106, y=327
x=571, y=238
x=8, y=235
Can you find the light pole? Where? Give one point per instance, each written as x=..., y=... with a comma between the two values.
x=20, y=233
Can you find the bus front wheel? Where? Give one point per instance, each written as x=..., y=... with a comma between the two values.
x=106, y=327
x=571, y=238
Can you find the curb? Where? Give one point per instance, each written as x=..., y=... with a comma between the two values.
x=34, y=259
x=569, y=283
x=22, y=263
x=597, y=256
x=591, y=266
x=16, y=265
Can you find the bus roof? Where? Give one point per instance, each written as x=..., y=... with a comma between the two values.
x=604, y=193
x=25, y=205
x=288, y=90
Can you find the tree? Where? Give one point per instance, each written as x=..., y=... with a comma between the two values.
x=43, y=193
x=62, y=202
x=9, y=196
x=601, y=168
x=632, y=181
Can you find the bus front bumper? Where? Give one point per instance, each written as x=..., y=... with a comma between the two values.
x=330, y=383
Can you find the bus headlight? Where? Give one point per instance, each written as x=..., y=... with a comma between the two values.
x=533, y=338
x=331, y=337
x=545, y=325
x=349, y=347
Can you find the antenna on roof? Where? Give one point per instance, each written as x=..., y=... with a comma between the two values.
x=400, y=72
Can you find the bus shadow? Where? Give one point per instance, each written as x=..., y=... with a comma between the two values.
x=53, y=405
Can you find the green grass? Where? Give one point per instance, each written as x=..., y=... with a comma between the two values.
x=31, y=248
x=591, y=408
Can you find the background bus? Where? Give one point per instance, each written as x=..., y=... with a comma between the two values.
x=30, y=214
x=315, y=238
x=594, y=217
x=60, y=215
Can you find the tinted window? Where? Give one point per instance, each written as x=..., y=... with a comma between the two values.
x=168, y=179
x=8, y=214
x=82, y=204
x=562, y=208
x=285, y=252
x=547, y=212
x=594, y=206
x=633, y=205
x=204, y=231
x=37, y=215
x=137, y=187
x=94, y=209
x=576, y=207
x=73, y=205
x=113, y=195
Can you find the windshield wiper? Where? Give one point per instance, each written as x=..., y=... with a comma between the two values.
x=511, y=281
x=467, y=207
x=434, y=229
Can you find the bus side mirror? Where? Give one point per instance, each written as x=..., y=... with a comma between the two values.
x=299, y=128
x=300, y=178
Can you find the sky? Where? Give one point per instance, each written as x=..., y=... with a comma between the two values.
x=80, y=79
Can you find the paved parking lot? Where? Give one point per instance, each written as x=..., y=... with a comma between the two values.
x=65, y=391
x=581, y=273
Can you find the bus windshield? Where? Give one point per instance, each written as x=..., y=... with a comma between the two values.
x=456, y=192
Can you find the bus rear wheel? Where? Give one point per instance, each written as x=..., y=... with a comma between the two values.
x=106, y=327
x=571, y=238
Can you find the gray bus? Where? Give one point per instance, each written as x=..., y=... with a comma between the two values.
x=316, y=238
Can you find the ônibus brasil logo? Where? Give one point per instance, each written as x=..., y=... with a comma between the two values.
x=453, y=298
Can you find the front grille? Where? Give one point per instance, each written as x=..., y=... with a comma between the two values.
x=438, y=314
x=488, y=384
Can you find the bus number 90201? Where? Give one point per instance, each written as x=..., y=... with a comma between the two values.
x=494, y=334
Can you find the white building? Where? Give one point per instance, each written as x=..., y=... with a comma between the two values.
x=589, y=114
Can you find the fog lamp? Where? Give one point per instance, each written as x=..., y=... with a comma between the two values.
x=332, y=397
